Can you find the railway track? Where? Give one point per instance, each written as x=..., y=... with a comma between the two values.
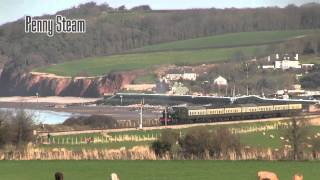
x=180, y=126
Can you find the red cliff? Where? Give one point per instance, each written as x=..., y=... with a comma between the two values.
x=27, y=84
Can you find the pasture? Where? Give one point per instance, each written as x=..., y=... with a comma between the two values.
x=227, y=40
x=258, y=134
x=211, y=49
x=95, y=66
x=155, y=170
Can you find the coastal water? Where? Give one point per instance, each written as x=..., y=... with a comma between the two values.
x=45, y=116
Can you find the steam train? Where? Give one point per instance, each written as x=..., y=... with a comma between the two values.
x=198, y=114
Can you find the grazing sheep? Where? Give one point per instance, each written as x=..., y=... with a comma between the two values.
x=114, y=176
x=58, y=176
x=298, y=177
x=272, y=136
x=266, y=175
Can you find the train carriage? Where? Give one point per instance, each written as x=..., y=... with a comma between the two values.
x=194, y=114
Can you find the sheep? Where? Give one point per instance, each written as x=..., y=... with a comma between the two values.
x=266, y=175
x=298, y=177
x=58, y=176
x=114, y=176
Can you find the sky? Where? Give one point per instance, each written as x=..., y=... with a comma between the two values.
x=11, y=10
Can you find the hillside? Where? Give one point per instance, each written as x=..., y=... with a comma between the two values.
x=228, y=40
x=209, y=49
x=112, y=30
x=113, y=33
x=102, y=65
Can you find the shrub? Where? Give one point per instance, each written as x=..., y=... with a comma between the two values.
x=202, y=143
x=94, y=121
x=165, y=143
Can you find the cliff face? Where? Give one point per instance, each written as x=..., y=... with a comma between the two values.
x=28, y=84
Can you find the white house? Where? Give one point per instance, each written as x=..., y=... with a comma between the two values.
x=184, y=76
x=189, y=76
x=286, y=63
x=220, y=81
x=173, y=77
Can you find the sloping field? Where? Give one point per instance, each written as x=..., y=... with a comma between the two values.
x=155, y=170
x=193, y=51
x=228, y=40
x=102, y=65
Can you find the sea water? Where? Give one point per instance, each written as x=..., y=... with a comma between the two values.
x=45, y=116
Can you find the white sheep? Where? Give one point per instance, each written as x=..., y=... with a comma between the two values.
x=114, y=176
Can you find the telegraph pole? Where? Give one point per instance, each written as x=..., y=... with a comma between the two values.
x=121, y=99
x=141, y=114
x=165, y=116
x=247, y=79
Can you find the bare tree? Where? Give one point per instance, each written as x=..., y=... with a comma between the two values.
x=297, y=133
x=16, y=128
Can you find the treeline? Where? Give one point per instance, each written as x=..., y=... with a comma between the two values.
x=114, y=30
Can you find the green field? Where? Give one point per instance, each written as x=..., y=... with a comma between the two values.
x=146, y=79
x=102, y=65
x=252, y=139
x=227, y=40
x=193, y=51
x=155, y=170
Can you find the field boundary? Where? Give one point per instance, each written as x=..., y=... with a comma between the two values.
x=169, y=127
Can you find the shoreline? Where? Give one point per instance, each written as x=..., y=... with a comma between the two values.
x=58, y=104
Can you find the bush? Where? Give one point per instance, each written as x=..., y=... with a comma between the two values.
x=94, y=121
x=165, y=143
x=202, y=143
x=196, y=142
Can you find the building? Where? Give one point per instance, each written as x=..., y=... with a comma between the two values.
x=139, y=87
x=287, y=62
x=220, y=81
x=179, y=89
x=189, y=76
x=183, y=76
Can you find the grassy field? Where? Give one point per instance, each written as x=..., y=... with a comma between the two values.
x=193, y=51
x=252, y=139
x=227, y=40
x=310, y=59
x=102, y=65
x=146, y=79
x=155, y=170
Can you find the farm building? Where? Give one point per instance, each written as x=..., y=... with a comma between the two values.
x=220, y=81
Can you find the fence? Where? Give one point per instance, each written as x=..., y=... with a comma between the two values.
x=103, y=138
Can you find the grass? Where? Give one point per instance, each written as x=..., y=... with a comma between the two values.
x=96, y=66
x=155, y=170
x=310, y=59
x=227, y=40
x=209, y=49
x=146, y=79
x=254, y=139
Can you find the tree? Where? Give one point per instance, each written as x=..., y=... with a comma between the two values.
x=297, y=133
x=22, y=126
x=16, y=129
